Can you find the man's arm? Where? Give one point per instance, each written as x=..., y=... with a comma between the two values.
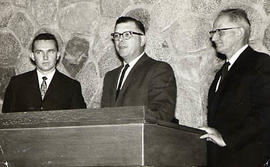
x=105, y=92
x=162, y=92
x=77, y=98
x=256, y=120
x=213, y=135
x=8, y=98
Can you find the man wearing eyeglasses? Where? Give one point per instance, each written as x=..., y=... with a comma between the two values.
x=140, y=80
x=238, y=99
x=44, y=88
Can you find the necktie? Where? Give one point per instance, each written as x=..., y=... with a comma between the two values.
x=43, y=87
x=121, y=80
x=224, y=71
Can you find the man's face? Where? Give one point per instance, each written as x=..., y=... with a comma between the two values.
x=226, y=41
x=131, y=48
x=45, y=55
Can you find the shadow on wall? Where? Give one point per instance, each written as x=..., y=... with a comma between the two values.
x=4, y=80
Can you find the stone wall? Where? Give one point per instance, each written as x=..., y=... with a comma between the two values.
x=177, y=33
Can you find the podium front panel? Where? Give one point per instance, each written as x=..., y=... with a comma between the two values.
x=114, y=145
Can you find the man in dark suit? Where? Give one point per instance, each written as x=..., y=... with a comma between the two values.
x=238, y=99
x=141, y=80
x=44, y=88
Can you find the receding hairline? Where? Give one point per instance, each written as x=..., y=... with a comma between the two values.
x=127, y=19
x=239, y=17
x=236, y=15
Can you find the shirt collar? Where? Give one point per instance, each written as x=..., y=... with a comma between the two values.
x=133, y=62
x=49, y=77
x=236, y=55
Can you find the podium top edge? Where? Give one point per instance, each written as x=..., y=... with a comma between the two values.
x=75, y=117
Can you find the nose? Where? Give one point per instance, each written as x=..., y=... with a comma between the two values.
x=214, y=37
x=45, y=56
x=121, y=38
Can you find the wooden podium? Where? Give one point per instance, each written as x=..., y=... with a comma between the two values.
x=122, y=137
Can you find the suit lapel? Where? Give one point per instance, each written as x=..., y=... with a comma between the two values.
x=132, y=74
x=52, y=85
x=33, y=84
x=115, y=78
x=240, y=64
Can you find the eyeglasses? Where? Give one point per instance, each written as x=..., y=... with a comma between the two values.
x=220, y=31
x=126, y=35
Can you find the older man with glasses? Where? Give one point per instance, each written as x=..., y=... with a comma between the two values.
x=238, y=99
x=140, y=80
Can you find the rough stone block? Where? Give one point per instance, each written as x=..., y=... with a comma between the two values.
x=190, y=34
x=6, y=12
x=79, y=18
x=142, y=15
x=266, y=6
x=90, y=82
x=108, y=60
x=75, y=56
x=158, y=46
x=24, y=63
x=205, y=6
x=21, y=3
x=5, y=75
x=44, y=11
x=64, y=3
x=113, y=8
x=9, y=50
x=22, y=27
x=164, y=13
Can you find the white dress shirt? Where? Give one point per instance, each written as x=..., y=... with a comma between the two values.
x=131, y=65
x=49, y=78
x=232, y=60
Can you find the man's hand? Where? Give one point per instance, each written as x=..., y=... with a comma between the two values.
x=213, y=135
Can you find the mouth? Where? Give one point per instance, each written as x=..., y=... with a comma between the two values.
x=122, y=46
x=218, y=44
x=45, y=63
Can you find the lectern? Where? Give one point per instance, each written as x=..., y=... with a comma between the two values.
x=121, y=137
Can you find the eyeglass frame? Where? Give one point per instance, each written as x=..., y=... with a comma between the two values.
x=218, y=30
x=122, y=34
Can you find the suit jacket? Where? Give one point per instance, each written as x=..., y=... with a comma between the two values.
x=150, y=83
x=23, y=94
x=240, y=110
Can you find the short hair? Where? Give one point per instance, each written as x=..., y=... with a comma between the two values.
x=238, y=16
x=45, y=36
x=125, y=19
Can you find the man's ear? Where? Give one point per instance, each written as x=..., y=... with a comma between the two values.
x=143, y=40
x=57, y=55
x=240, y=32
x=32, y=57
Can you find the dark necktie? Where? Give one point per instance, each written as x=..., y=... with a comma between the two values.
x=121, y=80
x=224, y=71
x=43, y=87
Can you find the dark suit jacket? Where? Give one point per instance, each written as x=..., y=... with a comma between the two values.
x=23, y=94
x=150, y=83
x=240, y=110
